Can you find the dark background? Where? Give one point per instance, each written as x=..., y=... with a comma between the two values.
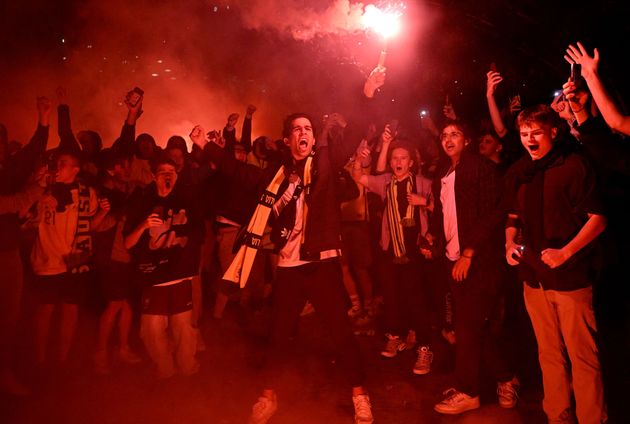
x=199, y=60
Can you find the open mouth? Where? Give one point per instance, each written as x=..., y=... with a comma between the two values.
x=398, y=168
x=168, y=184
x=533, y=147
x=303, y=143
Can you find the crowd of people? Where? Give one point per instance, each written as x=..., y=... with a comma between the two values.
x=422, y=235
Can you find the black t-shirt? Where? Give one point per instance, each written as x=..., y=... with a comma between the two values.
x=171, y=251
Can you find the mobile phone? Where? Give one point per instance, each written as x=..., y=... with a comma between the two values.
x=575, y=72
x=424, y=113
x=135, y=95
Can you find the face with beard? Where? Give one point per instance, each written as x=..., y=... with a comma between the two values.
x=537, y=139
x=301, y=138
x=165, y=178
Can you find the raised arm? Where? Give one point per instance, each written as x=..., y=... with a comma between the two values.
x=246, y=131
x=67, y=140
x=126, y=142
x=37, y=146
x=613, y=117
x=494, y=78
x=362, y=160
x=386, y=139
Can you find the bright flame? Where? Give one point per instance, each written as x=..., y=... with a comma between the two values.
x=385, y=22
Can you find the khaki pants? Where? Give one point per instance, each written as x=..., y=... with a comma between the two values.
x=564, y=324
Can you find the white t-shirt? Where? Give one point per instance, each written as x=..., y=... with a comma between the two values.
x=449, y=211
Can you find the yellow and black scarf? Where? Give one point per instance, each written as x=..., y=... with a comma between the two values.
x=394, y=219
x=241, y=266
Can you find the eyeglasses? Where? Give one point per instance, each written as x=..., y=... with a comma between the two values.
x=444, y=136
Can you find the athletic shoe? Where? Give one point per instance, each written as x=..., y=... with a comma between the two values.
x=508, y=393
x=456, y=402
x=393, y=346
x=423, y=363
x=263, y=410
x=362, y=409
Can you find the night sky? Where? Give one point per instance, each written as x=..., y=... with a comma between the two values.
x=199, y=60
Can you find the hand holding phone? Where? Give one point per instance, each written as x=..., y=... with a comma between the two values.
x=575, y=72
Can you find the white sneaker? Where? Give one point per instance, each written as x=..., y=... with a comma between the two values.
x=362, y=409
x=456, y=402
x=423, y=363
x=393, y=346
x=508, y=393
x=263, y=410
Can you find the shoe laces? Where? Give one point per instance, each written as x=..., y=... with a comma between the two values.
x=393, y=342
x=362, y=405
x=425, y=357
x=453, y=396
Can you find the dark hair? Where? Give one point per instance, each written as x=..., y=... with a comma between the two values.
x=111, y=158
x=177, y=142
x=287, y=125
x=540, y=114
x=161, y=159
x=409, y=147
x=89, y=135
x=75, y=154
x=145, y=137
x=460, y=126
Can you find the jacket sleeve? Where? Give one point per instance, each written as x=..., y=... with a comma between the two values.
x=126, y=142
x=67, y=141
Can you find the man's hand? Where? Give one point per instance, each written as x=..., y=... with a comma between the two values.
x=104, y=205
x=449, y=111
x=198, y=136
x=576, y=100
x=512, y=249
x=494, y=78
x=387, y=136
x=461, y=267
x=335, y=120
x=232, y=120
x=554, y=257
x=250, y=111
x=152, y=220
x=43, y=110
x=416, y=200
x=580, y=56
x=375, y=81
x=363, y=153
x=134, y=111
x=426, y=252
x=62, y=95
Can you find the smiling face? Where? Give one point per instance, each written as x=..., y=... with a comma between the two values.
x=537, y=139
x=301, y=138
x=400, y=162
x=453, y=142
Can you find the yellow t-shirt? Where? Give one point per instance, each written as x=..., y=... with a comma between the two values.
x=56, y=231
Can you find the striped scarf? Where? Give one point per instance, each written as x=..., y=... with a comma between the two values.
x=396, y=224
x=240, y=268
